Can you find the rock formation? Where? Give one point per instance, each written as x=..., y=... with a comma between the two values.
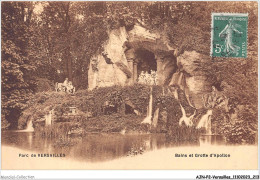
x=128, y=53
x=124, y=63
x=190, y=78
x=101, y=73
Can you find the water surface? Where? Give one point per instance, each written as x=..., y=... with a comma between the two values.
x=99, y=147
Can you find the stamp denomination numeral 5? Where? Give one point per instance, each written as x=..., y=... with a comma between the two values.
x=218, y=48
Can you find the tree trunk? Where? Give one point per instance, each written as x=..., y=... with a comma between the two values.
x=66, y=7
x=68, y=64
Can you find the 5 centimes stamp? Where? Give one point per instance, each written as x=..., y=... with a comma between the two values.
x=229, y=35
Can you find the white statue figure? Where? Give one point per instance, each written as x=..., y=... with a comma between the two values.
x=141, y=78
x=66, y=86
x=65, y=83
x=154, y=77
x=148, y=79
x=70, y=88
x=227, y=33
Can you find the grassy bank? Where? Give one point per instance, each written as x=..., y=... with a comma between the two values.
x=113, y=109
x=119, y=109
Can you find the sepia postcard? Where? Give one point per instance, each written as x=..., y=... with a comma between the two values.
x=144, y=85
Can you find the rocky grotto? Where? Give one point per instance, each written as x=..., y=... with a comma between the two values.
x=129, y=53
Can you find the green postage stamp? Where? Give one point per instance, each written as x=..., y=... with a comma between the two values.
x=229, y=35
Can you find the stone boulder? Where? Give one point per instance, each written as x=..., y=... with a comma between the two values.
x=140, y=37
x=190, y=78
x=116, y=72
x=169, y=67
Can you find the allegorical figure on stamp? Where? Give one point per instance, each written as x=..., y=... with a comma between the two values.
x=227, y=33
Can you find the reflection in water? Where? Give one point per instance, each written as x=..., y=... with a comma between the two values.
x=96, y=147
x=30, y=138
x=29, y=127
x=206, y=140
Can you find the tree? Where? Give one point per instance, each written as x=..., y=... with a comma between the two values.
x=55, y=24
x=17, y=82
x=71, y=33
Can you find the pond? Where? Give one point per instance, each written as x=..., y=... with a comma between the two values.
x=98, y=147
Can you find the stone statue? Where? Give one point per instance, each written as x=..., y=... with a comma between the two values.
x=149, y=79
x=70, y=88
x=215, y=98
x=66, y=86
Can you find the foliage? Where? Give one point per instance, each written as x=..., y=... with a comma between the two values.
x=55, y=131
x=239, y=132
x=115, y=123
x=77, y=30
x=183, y=134
x=58, y=132
x=237, y=80
x=18, y=83
x=90, y=106
x=170, y=112
x=170, y=108
x=68, y=39
x=44, y=85
x=91, y=102
x=239, y=127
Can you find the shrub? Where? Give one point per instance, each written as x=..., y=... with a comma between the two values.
x=183, y=134
x=56, y=130
x=239, y=128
